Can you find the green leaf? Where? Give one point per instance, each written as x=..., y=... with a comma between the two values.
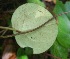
x=21, y=54
x=37, y=2
x=28, y=51
x=30, y=16
x=24, y=57
x=59, y=51
x=63, y=24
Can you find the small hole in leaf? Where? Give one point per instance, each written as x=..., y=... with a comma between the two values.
x=31, y=37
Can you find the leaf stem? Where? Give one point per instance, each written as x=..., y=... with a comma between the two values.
x=8, y=28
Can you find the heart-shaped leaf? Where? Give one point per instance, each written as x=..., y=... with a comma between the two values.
x=30, y=16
